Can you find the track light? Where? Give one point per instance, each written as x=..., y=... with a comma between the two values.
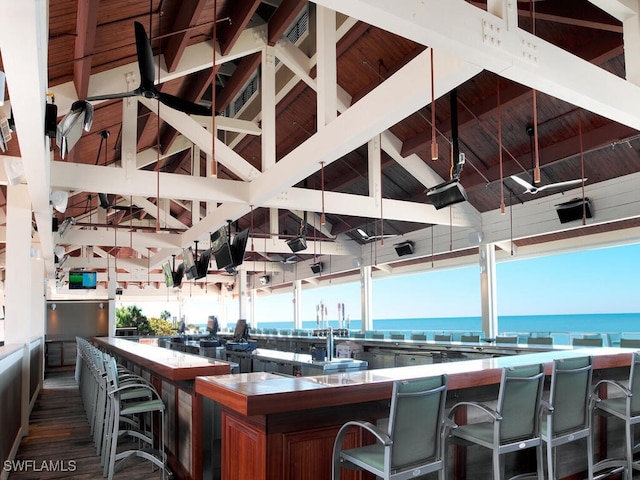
x=65, y=224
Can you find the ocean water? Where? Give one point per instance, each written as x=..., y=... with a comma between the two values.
x=611, y=326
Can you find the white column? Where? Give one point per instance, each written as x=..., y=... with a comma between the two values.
x=111, y=294
x=242, y=295
x=252, y=308
x=366, y=297
x=297, y=304
x=488, y=290
x=375, y=170
x=268, y=97
x=18, y=284
x=38, y=298
x=327, y=71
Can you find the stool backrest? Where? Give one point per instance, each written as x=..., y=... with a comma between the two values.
x=569, y=394
x=519, y=401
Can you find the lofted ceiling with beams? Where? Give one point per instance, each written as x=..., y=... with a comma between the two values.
x=324, y=115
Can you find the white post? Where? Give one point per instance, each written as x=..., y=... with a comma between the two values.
x=488, y=290
x=366, y=297
x=18, y=288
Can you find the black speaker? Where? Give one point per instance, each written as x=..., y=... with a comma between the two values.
x=573, y=210
x=297, y=244
x=446, y=194
x=54, y=224
x=316, y=267
x=404, y=248
x=50, y=119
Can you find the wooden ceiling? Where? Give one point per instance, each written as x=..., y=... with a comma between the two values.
x=90, y=41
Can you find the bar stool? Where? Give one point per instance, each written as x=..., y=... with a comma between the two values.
x=625, y=408
x=120, y=409
x=566, y=416
x=513, y=425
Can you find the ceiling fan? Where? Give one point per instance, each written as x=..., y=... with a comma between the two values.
x=104, y=203
x=533, y=189
x=147, y=86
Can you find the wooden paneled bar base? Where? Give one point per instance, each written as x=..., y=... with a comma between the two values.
x=172, y=374
x=284, y=428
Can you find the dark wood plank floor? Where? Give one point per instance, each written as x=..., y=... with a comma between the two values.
x=59, y=443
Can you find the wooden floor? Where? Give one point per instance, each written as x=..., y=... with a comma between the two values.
x=59, y=444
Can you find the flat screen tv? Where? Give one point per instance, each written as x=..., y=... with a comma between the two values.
x=189, y=263
x=239, y=246
x=81, y=280
x=177, y=275
x=202, y=264
x=242, y=330
x=212, y=325
x=221, y=249
x=168, y=274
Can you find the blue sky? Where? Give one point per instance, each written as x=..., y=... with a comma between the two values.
x=603, y=280
x=595, y=281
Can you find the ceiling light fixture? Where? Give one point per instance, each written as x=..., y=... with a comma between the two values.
x=59, y=200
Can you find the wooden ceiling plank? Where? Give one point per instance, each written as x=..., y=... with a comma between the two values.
x=86, y=23
x=187, y=17
x=229, y=32
x=282, y=19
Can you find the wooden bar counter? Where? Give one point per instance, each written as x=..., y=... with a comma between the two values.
x=173, y=374
x=276, y=427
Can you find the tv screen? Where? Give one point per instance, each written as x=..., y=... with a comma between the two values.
x=81, y=280
x=189, y=263
x=241, y=331
x=239, y=246
x=177, y=275
x=212, y=325
x=168, y=274
x=202, y=264
x=221, y=249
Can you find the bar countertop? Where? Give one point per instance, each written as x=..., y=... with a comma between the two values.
x=267, y=393
x=170, y=364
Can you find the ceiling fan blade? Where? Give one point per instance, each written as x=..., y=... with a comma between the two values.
x=111, y=96
x=563, y=184
x=125, y=208
x=145, y=58
x=523, y=183
x=183, y=105
x=104, y=200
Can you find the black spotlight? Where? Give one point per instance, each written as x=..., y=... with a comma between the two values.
x=297, y=244
x=404, y=248
x=316, y=267
x=447, y=193
x=573, y=210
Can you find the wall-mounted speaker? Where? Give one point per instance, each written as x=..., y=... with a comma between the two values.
x=573, y=210
x=404, y=248
x=446, y=194
x=264, y=280
x=297, y=244
x=316, y=267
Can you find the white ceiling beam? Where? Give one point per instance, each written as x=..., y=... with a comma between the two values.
x=619, y=9
x=393, y=100
x=476, y=36
x=152, y=209
x=191, y=129
x=92, y=178
x=121, y=237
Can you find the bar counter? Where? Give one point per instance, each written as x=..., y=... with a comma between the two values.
x=279, y=427
x=173, y=374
